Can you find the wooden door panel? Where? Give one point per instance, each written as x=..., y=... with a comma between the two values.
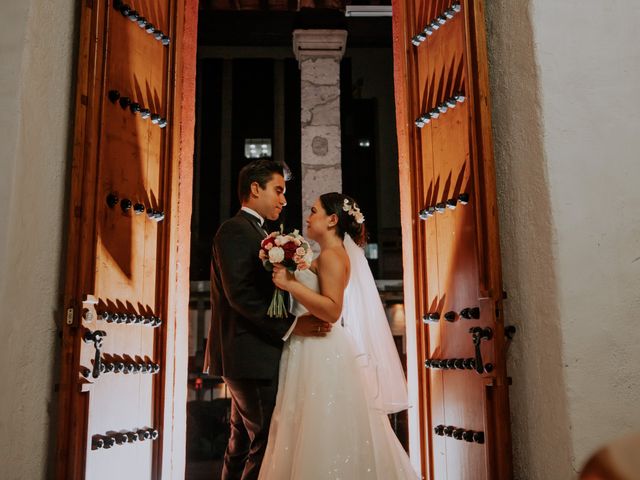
x=113, y=380
x=441, y=76
x=464, y=409
x=437, y=415
x=126, y=274
x=131, y=155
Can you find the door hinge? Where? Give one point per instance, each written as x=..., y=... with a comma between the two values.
x=70, y=316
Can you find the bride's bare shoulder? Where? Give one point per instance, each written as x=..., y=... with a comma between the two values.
x=333, y=260
x=333, y=272
x=333, y=254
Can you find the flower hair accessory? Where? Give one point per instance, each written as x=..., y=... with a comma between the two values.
x=353, y=210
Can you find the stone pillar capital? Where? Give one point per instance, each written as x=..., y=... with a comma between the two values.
x=308, y=44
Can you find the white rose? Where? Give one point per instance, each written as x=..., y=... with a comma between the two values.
x=300, y=251
x=276, y=255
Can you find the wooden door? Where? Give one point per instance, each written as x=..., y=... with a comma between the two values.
x=124, y=346
x=450, y=231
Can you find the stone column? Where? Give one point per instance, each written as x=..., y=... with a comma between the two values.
x=319, y=53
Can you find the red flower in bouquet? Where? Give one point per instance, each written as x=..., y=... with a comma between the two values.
x=290, y=250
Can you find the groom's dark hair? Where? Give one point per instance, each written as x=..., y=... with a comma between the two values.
x=260, y=171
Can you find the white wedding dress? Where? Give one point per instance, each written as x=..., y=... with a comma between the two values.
x=324, y=425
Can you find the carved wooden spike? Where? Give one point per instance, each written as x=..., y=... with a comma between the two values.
x=437, y=22
x=128, y=12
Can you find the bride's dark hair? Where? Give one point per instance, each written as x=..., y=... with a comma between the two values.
x=335, y=203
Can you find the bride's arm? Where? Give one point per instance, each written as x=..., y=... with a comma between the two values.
x=326, y=305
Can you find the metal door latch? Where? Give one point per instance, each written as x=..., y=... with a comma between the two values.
x=96, y=337
x=477, y=335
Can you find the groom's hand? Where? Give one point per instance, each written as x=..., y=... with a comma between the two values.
x=310, y=326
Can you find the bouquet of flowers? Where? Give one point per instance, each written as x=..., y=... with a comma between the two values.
x=290, y=250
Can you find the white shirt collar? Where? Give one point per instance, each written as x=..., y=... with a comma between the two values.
x=254, y=213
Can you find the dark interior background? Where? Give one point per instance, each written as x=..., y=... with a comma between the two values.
x=242, y=55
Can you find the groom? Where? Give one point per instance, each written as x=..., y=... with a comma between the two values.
x=244, y=344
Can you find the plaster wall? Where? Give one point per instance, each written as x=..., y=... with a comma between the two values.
x=565, y=118
x=36, y=45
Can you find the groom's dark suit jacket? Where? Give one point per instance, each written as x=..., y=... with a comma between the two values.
x=243, y=342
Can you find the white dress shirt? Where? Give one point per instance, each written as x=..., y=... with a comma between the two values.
x=254, y=213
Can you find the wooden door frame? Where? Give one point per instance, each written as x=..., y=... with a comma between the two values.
x=407, y=141
x=169, y=453
x=171, y=460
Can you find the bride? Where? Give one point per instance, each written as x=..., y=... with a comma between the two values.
x=334, y=393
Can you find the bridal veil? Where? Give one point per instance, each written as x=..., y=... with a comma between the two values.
x=366, y=321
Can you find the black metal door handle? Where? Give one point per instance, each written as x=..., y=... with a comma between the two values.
x=96, y=337
x=477, y=335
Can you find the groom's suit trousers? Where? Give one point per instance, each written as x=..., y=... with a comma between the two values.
x=252, y=404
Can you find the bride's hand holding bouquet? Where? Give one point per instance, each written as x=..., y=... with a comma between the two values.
x=283, y=254
x=282, y=278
